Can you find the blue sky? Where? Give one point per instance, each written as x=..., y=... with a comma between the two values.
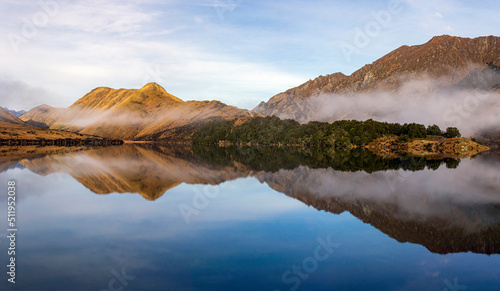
x=238, y=51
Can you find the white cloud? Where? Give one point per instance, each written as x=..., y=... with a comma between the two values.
x=103, y=16
x=18, y=95
x=257, y=51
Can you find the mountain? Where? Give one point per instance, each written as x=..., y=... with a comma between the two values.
x=16, y=113
x=452, y=60
x=41, y=116
x=7, y=116
x=149, y=113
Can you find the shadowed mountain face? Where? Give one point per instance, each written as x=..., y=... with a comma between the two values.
x=149, y=113
x=446, y=209
x=443, y=62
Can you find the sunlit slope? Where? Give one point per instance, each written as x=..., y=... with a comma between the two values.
x=149, y=113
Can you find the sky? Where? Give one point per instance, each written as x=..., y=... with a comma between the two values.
x=241, y=52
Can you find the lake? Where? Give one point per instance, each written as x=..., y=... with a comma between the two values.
x=143, y=217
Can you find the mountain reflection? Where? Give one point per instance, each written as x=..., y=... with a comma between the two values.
x=445, y=205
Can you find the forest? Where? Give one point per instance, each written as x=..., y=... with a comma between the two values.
x=272, y=159
x=340, y=134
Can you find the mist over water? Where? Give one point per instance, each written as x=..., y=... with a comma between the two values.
x=246, y=217
x=422, y=101
x=410, y=195
x=151, y=171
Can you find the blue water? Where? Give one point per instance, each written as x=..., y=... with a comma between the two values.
x=245, y=237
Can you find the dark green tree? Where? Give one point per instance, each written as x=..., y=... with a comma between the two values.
x=452, y=132
x=434, y=130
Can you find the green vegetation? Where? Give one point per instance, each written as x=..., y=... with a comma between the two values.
x=340, y=134
x=434, y=130
x=452, y=132
x=272, y=159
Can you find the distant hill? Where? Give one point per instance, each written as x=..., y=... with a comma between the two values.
x=41, y=116
x=149, y=113
x=7, y=116
x=455, y=61
x=16, y=113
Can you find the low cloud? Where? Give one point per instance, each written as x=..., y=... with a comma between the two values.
x=424, y=101
x=449, y=194
x=18, y=95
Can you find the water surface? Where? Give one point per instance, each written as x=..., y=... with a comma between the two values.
x=175, y=218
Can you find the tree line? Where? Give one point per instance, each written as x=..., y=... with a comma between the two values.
x=272, y=159
x=344, y=133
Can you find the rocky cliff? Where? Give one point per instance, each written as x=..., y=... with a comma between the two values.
x=451, y=60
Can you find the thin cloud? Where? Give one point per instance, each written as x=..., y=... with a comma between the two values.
x=426, y=101
x=261, y=48
x=18, y=95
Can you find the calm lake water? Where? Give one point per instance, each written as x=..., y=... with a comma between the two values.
x=163, y=218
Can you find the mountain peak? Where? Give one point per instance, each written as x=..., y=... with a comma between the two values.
x=447, y=58
x=152, y=85
x=7, y=116
x=441, y=38
x=156, y=91
x=44, y=107
x=149, y=95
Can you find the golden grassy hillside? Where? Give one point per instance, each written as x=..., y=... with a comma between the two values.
x=21, y=131
x=6, y=116
x=149, y=113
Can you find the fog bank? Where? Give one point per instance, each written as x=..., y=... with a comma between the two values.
x=422, y=101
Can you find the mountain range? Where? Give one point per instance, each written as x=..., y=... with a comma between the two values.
x=462, y=62
x=151, y=113
x=7, y=116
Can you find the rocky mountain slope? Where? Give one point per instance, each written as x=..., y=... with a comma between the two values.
x=149, y=113
x=41, y=116
x=451, y=60
x=15, y=112
x=7, y=116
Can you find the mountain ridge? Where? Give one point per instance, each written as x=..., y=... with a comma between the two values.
x=148, y=113
x=7, y=116
x=444, y=57
x=151, y=113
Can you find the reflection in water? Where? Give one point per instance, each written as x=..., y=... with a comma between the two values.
x=444, y=205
